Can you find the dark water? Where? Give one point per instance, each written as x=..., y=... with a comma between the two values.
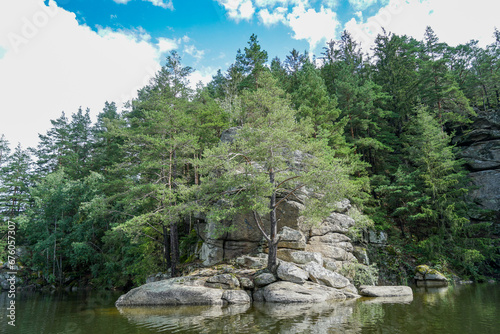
x=458, y=309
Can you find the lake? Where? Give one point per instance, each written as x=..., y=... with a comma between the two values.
x=467, y=309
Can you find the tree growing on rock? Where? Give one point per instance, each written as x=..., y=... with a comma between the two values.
x=271, y=158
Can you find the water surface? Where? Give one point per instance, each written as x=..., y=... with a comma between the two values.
x=456, y=309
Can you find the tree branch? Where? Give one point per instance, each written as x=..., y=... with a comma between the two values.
x=290, y=193
x=255, y=216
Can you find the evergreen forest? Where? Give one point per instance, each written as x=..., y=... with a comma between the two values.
x=113, y=201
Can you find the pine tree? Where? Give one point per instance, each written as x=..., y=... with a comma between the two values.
x=246, y=175
x=251, y=63
x=438, y=88
x=159, y=143
x=14, y=185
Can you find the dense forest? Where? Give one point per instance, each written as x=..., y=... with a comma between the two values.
x=116, y=200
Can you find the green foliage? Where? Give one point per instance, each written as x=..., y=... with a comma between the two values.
x=362, y=274
x=271, y=152
x=112, y=201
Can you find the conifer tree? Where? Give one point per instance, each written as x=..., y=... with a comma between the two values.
x=159, y=143
x=264, y=161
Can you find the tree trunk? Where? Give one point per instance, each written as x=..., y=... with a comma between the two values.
x=166, y=247
x=174, y=233
x=273, y=243
x=174, y=246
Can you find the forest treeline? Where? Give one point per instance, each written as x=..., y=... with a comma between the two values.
x=117, y=200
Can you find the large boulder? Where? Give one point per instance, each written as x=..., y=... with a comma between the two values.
x=251, y=262
x=287, y=292
x=174, y=291
x=264, y=279
x=426, y=276
x=336, y=223
x=290, y=238
x=385, y=291
x=299, y=257
x=323, y=276
x=223, y=281
x=330, y=252
x=236, y=297
x=291, y=273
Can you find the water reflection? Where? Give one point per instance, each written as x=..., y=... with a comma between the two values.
x=456, y=309
x=387, y=300
x=258, y=318
x=328, y=317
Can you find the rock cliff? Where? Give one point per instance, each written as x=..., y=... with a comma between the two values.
x=481, y=150
x=329, y=239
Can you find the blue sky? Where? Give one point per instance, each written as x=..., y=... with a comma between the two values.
x=59, y=55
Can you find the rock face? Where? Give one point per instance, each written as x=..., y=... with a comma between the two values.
x=481, y=150
x=298, y=243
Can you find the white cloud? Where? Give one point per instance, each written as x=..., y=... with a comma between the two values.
x=330, y=3
x=204, y=76
x=361, y=4
x=454, y=21
x=167, y=44
x=238, y=9
x=313, y=26
x=194, y=52
x=53, y=64
x=268, y=19
x=167, y=4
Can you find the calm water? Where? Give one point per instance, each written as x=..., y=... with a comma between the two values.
x=459, y=309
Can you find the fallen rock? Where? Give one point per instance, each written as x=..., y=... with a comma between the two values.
x=323, y=276
x=264, y=279
x=291, y=273
x=223, y=281
x=251, y=262
x=287, y=292
x=236, y=297
x=246, y=283
x=330, y=265
x=299, y=257
x=385, y=291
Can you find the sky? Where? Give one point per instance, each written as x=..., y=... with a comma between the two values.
x=59, y=55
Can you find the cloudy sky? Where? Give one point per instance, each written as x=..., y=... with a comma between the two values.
x=59, y=55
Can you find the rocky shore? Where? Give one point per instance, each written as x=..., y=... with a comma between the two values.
x=314, y=266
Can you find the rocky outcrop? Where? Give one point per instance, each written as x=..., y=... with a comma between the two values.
x=245, y=237
x=481, y=151
x=328, y=241
x=425, y=276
